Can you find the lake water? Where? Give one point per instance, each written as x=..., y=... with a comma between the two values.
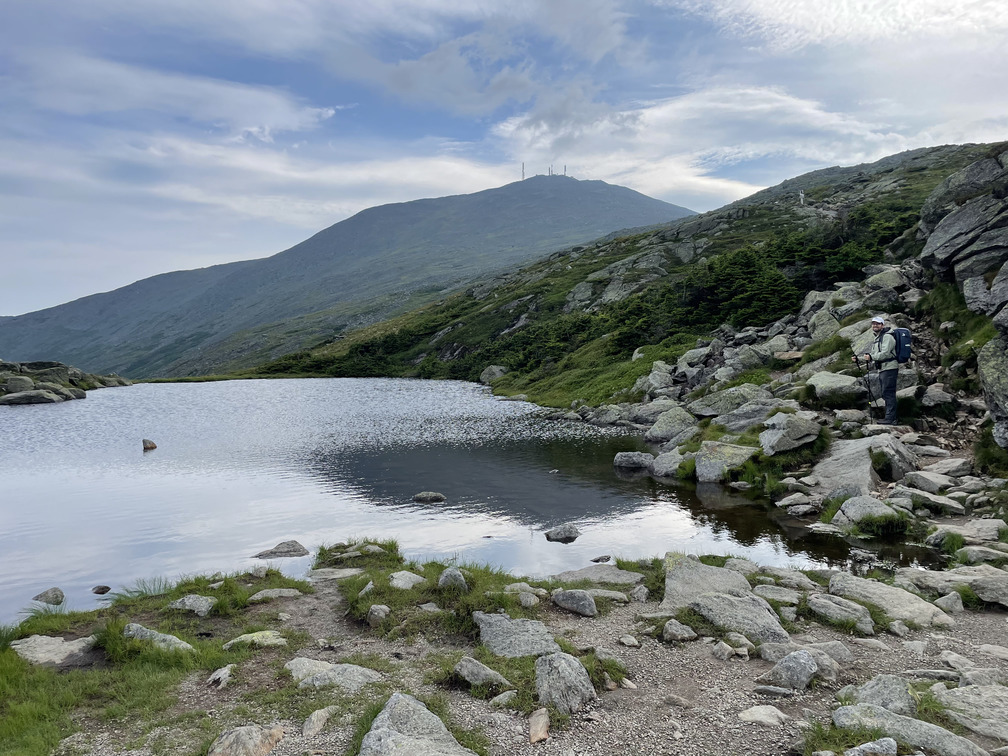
x=243, y=465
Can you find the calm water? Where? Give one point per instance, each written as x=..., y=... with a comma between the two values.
x=243, y=465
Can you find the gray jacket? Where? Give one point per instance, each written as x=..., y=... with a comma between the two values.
x=883, y=352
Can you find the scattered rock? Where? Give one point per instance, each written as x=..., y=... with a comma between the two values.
x=539, y=725
x=161, y=640
x=405, y=726
x=269, y=594
x=198, y=605
x=770, y=716
x=566, y=533
x=577, y=601
x=405, y=580
x=50, y=651
x=561, y=680
x=53, y=596
x=477, y=673
x=282, y=550
x=262, y=638
x=510, y=638
x=250, y=740
x=429, y=497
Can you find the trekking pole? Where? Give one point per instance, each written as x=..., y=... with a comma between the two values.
x=865, y=375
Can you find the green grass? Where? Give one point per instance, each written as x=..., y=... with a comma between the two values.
x=700, y=624
x=827, y=737
x=835, y=344
x=988, y=457
x=830, y=508
x=883, y=527
x=969, y=597
x=653, y=572
x=390, y=558
x=952, y=542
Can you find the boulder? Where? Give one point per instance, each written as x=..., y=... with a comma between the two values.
x=670, y=424
x=859, y=508
x=794, y=671
x=974, y=532
x=913, y=732
x=510, y=638
x=316, y=721
x=785, y=432
x=666, y=465
x=491, y=373
x=349, y=677
x=747, y=614
x=405, y=580
x=687, y=577
x=962, y=185
x=248, y=740
x=477, y=673
x=980, y=708
x=406, y=726
x=566, y=533
x=50, y=651
x=676, y=631
x=561, y=680
x=429, y=497
x=576, y=601
x=161, y=640
x=778, y=593
x=837, y=389
x=848, y=463
x=715, y=458
x=31, y=397
x=53, y=596
x=268, y=594
x=751, y=413
x=598, y=573
x=835, y=609
x=722, y=402
x=261, y=638
x=889, y=692
x=934, y=502
x=931, y=482
x=632, y=461
x=897, y=603
x=198, y=605
x=284, y=549
x=452, y=578
x=989, y=583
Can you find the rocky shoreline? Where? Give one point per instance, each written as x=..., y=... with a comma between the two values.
x=722, y=656
x=49, y=382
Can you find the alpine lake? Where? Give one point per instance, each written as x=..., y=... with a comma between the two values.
x=243, y=465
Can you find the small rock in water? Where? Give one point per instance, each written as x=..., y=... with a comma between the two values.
x=101, y=590
x=566, y=533
x=429, y=497
x=149, y=445
x=601, y=559
x=284, y=549
x=52, y=596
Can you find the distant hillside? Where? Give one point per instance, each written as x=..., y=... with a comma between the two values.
x=565, y=328
x=354, y=272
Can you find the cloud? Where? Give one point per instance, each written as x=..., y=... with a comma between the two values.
x=79, y=85
x=790, y=24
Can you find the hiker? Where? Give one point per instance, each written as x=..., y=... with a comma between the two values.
x=883, y=354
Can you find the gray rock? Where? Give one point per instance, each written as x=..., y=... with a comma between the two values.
x=975, y=532
x=979, y=555
x=161, y=640
x=31, y=397
x=502, y=700
x=686, y=578
x=577, y=601
x=405, y=580
x=377, y=614
x=992, y=367
x=602, y=593
x=198, y=605
x=931, y=482
x=785, y=432
x=889, y=692
x=349, y=677
x=950, y=603
x=670, y=424
x=980, y=708
x=269, y=594
x=561, y=680
x=989, y=583
x=719, y=403
x=746, y=614
x=837, y=388
x=284, y=549
x=405, y=726
x=566, y=533
x=666, y=465
x=778, y=593
x=639, y=593
x=715, y=458
x=454, y=579
x=955, y=467
x=769, y=716
x=750, y=414
x=599, y=573
x=794, y=671
x=477, y=673
x=880, y=747
x=849, y=463
x=840, y=610
x=248, y=740
x=49, y=651
x=722, y=651
x=316, y=721
x=510, y=638
x=53, y=596
x=491, y=373
x=262, y=638
x=335, y=573
x=789, y=578
x=527, y=600
x=633, y=461
x=913, y=732
x=859, y=508
x=676, y=631
x=898, y=603
x=429, y=497
x=221, y=678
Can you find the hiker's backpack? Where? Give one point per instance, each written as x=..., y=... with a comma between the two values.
x=904, y=339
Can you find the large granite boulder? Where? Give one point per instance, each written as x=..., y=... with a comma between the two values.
x=406, y=726
x=992, y=364
x=563, y=681
x=752, y=413
x=722, y=402
x=859, y=508
x=989, y=583
x=913, y=732
x=970, y=240
x=837, y=389
x=510, y=638
x=980, y=708
x=247, y=740
x=888, y=691
x=686, y=577
x=896, y=602
x=53, y=651
x=849, y=463
x=670, y=424
x=785, y=432
x=747, y=614
x=715, y=458
x=36, y=396
x=962, y=185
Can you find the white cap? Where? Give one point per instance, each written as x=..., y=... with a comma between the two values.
x=878, y=319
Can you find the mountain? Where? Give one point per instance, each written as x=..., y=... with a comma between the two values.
x=565, y=328
x=354, y=272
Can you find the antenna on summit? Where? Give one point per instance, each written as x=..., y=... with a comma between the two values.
x=523, y=171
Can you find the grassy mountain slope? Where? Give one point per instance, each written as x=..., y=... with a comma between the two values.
x=566, y=327
x=353, y=272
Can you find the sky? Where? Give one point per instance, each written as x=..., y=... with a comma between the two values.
x=138, y=138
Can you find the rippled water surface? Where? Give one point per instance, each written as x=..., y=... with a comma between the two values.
x=243, y=465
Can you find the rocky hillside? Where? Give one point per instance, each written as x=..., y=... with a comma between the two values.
x=372, y=265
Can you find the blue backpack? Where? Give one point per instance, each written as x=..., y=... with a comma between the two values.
x=904, y=339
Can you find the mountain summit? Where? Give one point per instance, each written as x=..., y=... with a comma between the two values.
x=356, y=271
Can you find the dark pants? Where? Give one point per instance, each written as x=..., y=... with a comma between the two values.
x=887, y=380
